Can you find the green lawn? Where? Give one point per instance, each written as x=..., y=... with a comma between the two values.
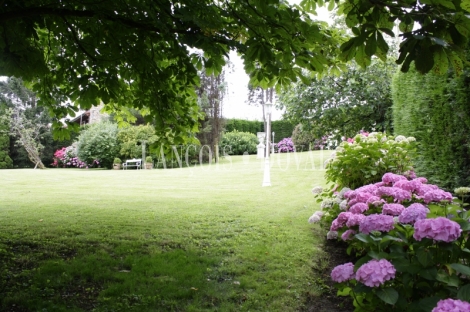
x=206, y=238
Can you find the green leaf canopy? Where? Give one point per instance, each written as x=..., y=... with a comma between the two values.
x=145, y=53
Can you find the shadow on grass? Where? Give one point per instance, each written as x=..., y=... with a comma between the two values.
x=58, y=278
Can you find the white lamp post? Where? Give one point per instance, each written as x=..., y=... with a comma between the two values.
x=267, y=174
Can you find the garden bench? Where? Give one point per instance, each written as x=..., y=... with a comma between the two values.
x=134, y=162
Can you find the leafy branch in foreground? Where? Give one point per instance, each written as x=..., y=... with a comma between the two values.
x=145, y=54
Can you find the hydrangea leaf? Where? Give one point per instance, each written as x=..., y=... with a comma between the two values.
x=429, y=274
x=461, y=268
x=364, y=238
x=464, y=224
x=344, y=292
x=427, y=304
x=377, y=255
x=424, y=257
x=450, y=280
x=464, y=293
x=388, y=295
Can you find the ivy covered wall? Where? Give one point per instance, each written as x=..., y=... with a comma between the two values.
x=436, y=111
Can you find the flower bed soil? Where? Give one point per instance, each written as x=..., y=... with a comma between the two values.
x=328, y=301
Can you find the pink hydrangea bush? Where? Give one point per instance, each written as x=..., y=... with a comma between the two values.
x=286, y=145
x=66, y=157
x=451, y=305
x=406, y=233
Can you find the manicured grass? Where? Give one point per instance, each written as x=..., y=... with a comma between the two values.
x=206, y=238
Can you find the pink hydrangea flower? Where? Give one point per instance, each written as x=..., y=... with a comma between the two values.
x=421, y=180
x=437, y=196
x=392, y=177
x=375, y=272
x=376, y=222
x=369, y=188
x=401, y=195
x=343, y=272
x=343, y=217
x=340, y=221
x=451, y=305
x=392, y=209
x=347, y=235
x=354, y=220
x=362, y=197
x=438, y=229
x=349, y=194
x=424, y=188
x=335, y=225
x=397, y=193
x=374, y=200
x=414, y=212
x=410, y=186
x=359, y=208
x=352, y=202
x=385, y=191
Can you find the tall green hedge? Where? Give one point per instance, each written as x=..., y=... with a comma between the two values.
x=5, y=160
x=240, y=125
x=281, y=128
x=436, y=111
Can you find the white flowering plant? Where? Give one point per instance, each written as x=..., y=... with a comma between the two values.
x=367, y=157
x=411, y=242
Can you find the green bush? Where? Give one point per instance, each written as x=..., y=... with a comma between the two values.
x=99, y=142
x=301, y=138
x=237, y=143
x=130, y=140
x=365, y=159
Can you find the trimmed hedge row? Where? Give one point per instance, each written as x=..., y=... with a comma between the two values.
x=436, y=111
x=281, y=128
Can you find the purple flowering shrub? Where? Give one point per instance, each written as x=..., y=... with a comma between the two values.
x=285, y=146
x=411, y=241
